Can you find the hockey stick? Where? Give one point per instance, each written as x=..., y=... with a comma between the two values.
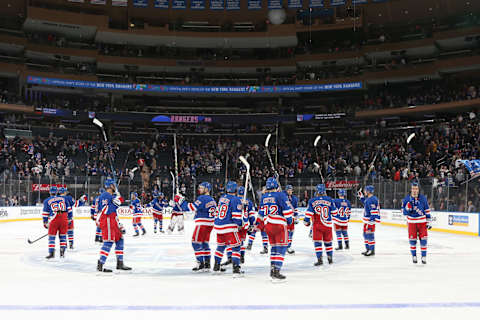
x=125, y=165
x=176, y=162
x=33, y=241
x=99, y=124
x=251, y=184
x=315, y=143
x=247, y=175
x=270, y=159
x=173, y=183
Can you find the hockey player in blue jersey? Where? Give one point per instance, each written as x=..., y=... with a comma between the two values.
x=228, y=222
x=319, y=213
x=158, y=204
x=415, y=207
x=340, y=221
x=291, y=228
x=204, y=208
x=93, y=216
x=56, y=216
x=137, y=211
x=248, y=216
x=371, y=216
x=63, y=191
x=276, y=212
x=112, y=229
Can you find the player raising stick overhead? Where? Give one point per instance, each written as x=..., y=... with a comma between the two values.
x=204, y=208
x=320, y=210
x=340, y=221
x=112, y=230
x=228, y=221
x=277, y=214
x=416, y=209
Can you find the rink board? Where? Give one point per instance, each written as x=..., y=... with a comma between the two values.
x=450, y=222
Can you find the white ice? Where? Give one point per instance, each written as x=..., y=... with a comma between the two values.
x=385, y=286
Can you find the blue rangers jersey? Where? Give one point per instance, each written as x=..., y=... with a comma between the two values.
x=53, y=205
x=371, y=213
x=249, y=214
x=107, y=204
x=344, y=210
x=228, y=216
x=204, y=208
x=136, y=208
x=416, y=210
x=252, y=214
x=321, y=209
x=158, y=205
x=294, y=202
x=275, y=208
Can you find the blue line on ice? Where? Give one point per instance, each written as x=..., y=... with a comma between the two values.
x=239, y=307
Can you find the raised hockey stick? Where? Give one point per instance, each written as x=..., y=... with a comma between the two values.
x=33, y=241
x=176, y=162
x=100, y=125
x=247, y=175
x=173, y=184
x=315, y=143
x=270, y=158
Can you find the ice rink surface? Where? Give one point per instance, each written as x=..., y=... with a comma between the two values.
x=387, y=286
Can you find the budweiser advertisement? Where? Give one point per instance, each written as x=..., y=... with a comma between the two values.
x=342, y=184
x=45, y=187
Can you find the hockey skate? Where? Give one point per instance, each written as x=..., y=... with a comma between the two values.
x=207, y=266
x=414, y=259
x=144, y=232
x=290, y=251
x=318, y=263
x=199, y=268
x=217, y=268
x=370, y=253
x=226, y=263
x=50, y=256
x=276, y=276
x=330, y=259
x=71, y=246
x=340, y=246
x=154, y=230
x=136, y=234
x=347, y=245
x=424, y=260
x=237, y=272
x=249, y=247
x=62, y=253
x=122, y=267
x=242, y=258
x=100, y=267
x=264, y=251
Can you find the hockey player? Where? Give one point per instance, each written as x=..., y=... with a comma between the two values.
x=319, y=212
x=371, y=216
x=56, y=213
x=416, y=209
x=93, y=216
x=248, y=215
x=277, y=214
x=137, y=211
x=158, y=204
x=340, y=221
x=291, y=228
x=63, y=191
x=228, y=221
x=179, y=207
x=204, y=208
x=112, y=230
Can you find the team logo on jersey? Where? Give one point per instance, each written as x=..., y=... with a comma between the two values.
x=456, y=220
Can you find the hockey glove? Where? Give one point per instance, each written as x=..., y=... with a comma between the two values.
x=429, y=224
x=360, y=194
x=178, y=199
x=122, y=228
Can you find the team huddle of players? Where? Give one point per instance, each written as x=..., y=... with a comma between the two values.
x=234, y=217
